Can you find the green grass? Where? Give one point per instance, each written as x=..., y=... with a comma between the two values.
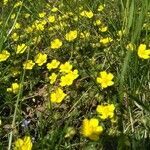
x=49, y=122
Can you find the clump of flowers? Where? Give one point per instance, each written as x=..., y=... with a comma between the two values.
x=91, y=128
x=105, y=79
x=106, y=40
x=23, y=144
x=106, y=111
x=87, y=14
x=143, y=52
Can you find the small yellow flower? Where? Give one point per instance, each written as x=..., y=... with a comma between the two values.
x=41, y=15
x=66, y=67
x=70, y=132
x=121, y=33
x=53, y=78
x=23, y=144
x=106, y=40
x=21, y=48
x=14, y=36
x=143, y=52
x=40, y=59
x=68, y=79
x=91, y=129
x=5, y=2
x=72, y=35
x=130, y=47
x=13, y=16
x=97, y=22
x=28, y=29
x=28, y=64
x=14, y=88
x=53, y=64
x=54, y=9
x=84, y=34
x=56, y=43
x=27, y=15
x=18, y=4
x=88, y=14
x=57, y=96
x=17, y=25
x=51, y=19
x=103, y=29
x=4, y=55
x=106, y=111
x=105, y=79
x=101, y=7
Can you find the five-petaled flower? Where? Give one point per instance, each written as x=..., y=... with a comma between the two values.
x=106, y=111
x=57, y=96
x=91, y=128
x=143, y=52
x=105, y=79
x=23, y=144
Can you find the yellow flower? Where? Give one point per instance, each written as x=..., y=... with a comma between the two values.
x=106, y=40
x=130, y=47
x=14, y=36
x=18, y=4
x=51, y=19
x=91, y=129
x=53, y=65
x=70, y=132
x=121, y=33
x=41, y=15
x=28, y=64
x=28, y=29
x=88, y=14
x=143, y=52
x=101, y=7
x=5, y=2
x=54, y=9
x=17, y=25
x=65, y=68
x=23, y=144
x=13, y=16
x=57, y=96
x=40, y=59
x=97, y=22
x=84, y=34
x=4, y=55
x=69, y=78
x=106, y=111
x=21, y=48
x=27, y=15
x=70, y=36
x=53, y=78
x=105, y=79
x=103, y=29
x=14, y=88
x=56, y=43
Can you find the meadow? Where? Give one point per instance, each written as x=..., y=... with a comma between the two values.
x=74, y=74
